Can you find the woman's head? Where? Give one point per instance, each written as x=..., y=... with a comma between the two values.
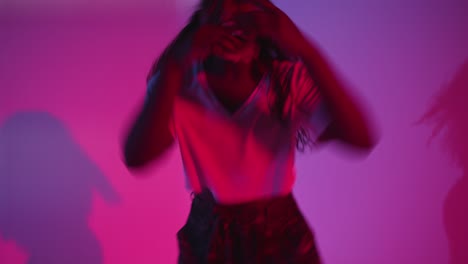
x=234, y=15
x=259, y=49
x=217, y=11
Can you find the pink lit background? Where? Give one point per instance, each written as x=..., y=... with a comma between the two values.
x=72, y=74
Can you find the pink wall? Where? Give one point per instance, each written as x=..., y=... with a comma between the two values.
x=69, y=84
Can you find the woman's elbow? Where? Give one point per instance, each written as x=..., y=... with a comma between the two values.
x=133, y=159
x=361, y=140
x=138, y=157
x=366, y=140
x=367, y=144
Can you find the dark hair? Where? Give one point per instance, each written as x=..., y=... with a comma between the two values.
x=268, y=55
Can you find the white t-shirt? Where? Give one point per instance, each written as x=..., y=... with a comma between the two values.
x=248, y=154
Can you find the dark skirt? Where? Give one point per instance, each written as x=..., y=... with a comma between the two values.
x=264, y=231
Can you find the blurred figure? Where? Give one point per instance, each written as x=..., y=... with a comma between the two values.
x=449, y=114
x=46, y=187
x=241, y=88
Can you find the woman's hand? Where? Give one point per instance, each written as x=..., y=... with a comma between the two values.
x=211, y=39
x=273, y=24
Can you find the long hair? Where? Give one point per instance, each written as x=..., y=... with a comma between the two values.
x=268, y=55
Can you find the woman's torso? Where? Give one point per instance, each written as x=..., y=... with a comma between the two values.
x=235, y=147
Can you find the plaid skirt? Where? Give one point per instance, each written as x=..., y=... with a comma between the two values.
x=271, y=231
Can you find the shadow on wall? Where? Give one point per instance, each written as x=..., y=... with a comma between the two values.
x=449, y=114
x=46, y=187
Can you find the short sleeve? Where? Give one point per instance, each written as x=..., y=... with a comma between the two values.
x=312, y=110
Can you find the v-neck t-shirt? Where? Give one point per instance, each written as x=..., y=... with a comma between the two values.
x=248, y=154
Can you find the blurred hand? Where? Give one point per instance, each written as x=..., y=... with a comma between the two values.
x=216, y=40
x=273, y=24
